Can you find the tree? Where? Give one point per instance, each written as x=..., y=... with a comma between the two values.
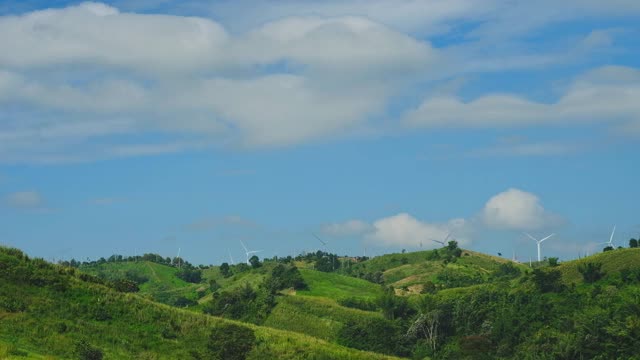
x=608, y=248
x=231, y=342
x=591, y=272
x=225, y=270
x=84, y=351
x=255, y=262
x=633, y=243
x=553, y=261
x=125, y=285
x=548, y=281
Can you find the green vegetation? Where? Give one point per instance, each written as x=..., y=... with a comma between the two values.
x=442, y=304
x=335, y=286
x=47, y=310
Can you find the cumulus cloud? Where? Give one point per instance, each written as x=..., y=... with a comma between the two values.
x=90, y=71
x=91, y=81
x=517, y=210
x=405, y=230
x=25, y=200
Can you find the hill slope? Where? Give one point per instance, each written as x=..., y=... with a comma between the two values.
x=47, y=309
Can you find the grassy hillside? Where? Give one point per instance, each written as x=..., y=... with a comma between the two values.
x=612, y=262
x=409, y=272
x=335, y=286
x=316, y=316
x=161, y=283
x=47, y=309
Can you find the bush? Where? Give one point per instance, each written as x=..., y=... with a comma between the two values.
x=591, y=272
x=506, y=271
x=548, y=281
x=190, y=275
x=231, y=342
x=374, y=334
x=84, y=351
x=124, y=285
x=358, y=303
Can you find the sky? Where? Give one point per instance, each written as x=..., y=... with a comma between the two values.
x=163, y=126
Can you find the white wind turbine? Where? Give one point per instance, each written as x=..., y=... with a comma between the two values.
x=324, y=243
x=247, y=252
x=230, y=257
x=443, y=242
x=538, y=242
x=610, y=242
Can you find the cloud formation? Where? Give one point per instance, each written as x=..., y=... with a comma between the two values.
x=602, y=95
x=517, y=210
x=90, y=81
x=512, y=209
x=25, y=200
x=106, y=74
x=347, y=228
x=405, y=230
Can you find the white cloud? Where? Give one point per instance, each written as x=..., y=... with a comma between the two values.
x=405, y=230
x=347, y=228
x=607, y=94
x=91, y=71
x=25, y=200
x=517, y=210
x=78, y=80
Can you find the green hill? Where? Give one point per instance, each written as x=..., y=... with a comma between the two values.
x=156, y=281
x=410, y=272
x=612, y=263
x=53, y=310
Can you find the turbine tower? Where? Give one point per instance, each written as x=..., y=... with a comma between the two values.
x=247, y=252
x=538, y=242
x=610, y=242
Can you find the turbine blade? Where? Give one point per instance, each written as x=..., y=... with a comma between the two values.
x=547, y=237
x=316, y=236
x=244, y=247
x=530, y=237
x=612, y=233
x=447, y=237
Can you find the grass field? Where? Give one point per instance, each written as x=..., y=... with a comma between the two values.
x=613, y=261
x=163, y=285
x=335, y=286
x=316, y=316
x=46, y=310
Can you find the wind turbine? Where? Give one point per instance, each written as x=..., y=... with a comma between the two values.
x=610, y=242
x=247, y=252
x=538, y=242
x=178, y=258
x=324, y=243
x=230, y=257
x=443, y=242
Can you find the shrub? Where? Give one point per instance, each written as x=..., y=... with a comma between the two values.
x=358, y=303
x=231, y=342
x=190, y=275
x=84, y=351
x=506, y=271
x=548, y=281
x=591, y=272
x=374, y=334
x=124, y=285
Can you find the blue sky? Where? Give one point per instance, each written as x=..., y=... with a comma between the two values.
x=148, y=126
